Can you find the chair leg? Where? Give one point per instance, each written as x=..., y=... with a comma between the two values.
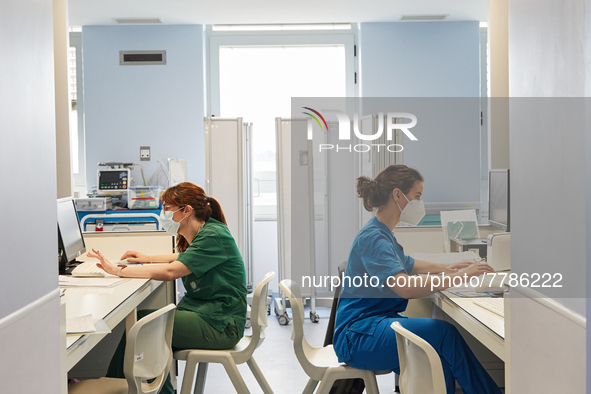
x=234, y=374
x=325, y=385
x=188, y=376
x=310, y=387
x=259, y=376
x=371, y=384
x=200, y=381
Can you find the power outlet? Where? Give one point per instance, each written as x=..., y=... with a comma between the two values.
x=144, y=153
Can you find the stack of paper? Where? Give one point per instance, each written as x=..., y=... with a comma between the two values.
x=80, y=324
x=88, y=290
x=83, y=325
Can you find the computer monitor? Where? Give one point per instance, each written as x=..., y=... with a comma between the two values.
x=70, y=240
x=499, y=212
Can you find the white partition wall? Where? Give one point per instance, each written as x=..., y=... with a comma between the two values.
x=316, y=204
x=29, y=295
x=548, y=154
x=228, y=178
x=295, y=212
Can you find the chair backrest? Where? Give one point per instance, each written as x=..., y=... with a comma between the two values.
x=148, y=352
x=258, y=313
x=329, y=336
x=420, y=365
x=301, y=346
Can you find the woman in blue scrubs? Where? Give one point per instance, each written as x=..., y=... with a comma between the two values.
x=363, y=337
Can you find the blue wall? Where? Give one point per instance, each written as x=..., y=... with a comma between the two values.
x=131, y=106
x=440, y=61
x=420, y=59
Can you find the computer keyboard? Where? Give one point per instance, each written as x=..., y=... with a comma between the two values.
x=88, y=268
x=495, y=305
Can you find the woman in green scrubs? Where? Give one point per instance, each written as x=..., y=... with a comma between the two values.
x=212, y=313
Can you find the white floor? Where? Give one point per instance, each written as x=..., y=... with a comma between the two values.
x=278, y=362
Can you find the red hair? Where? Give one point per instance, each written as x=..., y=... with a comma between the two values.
x=204, y=207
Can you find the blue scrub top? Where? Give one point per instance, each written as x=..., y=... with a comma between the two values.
x=374, y=253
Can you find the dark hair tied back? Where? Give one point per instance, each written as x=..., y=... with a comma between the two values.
x=376, y=192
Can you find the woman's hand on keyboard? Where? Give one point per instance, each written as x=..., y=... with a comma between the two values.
x=455, y=267
x=476, y=270
x=105, y=264
x=136, y=257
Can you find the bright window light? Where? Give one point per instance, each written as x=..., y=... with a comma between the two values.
x=257, y=84
x=283, y=27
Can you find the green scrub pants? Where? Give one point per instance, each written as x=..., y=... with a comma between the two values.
x=190, y=332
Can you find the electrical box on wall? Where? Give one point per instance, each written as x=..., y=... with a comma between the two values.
x=144, y=153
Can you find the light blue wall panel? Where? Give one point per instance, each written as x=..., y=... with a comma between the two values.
x=144, y=105
x=430, y=59
x=420, y=59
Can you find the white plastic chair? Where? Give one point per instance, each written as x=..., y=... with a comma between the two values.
x=148, y=355
x=420, y=365
x=320, y=364
x=229, y=358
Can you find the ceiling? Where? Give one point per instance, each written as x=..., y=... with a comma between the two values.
x=102, y=12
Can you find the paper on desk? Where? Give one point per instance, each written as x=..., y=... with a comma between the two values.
x=80, y=324
x=69, y=281
x=89, y=290
x=75, y=326
x=447, y=258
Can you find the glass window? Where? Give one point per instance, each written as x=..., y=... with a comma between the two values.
x=257, y=83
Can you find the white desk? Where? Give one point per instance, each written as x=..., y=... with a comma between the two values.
x=112, y=308
x=120, y=305
x=487, y=327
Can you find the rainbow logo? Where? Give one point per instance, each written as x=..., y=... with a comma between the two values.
x=315, y=118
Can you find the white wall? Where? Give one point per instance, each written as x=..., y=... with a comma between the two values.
x=547, y=59
x=131, y=106
x=29, y=360
x=553, y=64
x=547, y=42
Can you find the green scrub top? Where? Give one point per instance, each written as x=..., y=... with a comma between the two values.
x=216, y=288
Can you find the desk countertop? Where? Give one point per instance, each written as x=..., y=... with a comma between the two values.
x=112, y=308
x=486, y=326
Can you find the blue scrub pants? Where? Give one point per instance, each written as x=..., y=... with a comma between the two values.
x=379, y=352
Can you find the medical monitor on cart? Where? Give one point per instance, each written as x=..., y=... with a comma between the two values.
x=111, y=181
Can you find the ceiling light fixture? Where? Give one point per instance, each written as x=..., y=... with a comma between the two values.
x=283, y=27
x=423, y=17
x=135, y=21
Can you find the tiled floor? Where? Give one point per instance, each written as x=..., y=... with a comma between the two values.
x=277, y=361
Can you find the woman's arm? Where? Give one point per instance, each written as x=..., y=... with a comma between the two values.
x=133, y=256
x=167, y=272
x=418, y=287
x=424, y=267
x=164, y=272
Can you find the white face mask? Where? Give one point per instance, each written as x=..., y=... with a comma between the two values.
x=413, y=212
x=168, y=223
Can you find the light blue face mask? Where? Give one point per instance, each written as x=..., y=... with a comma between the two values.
x=168, y=223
